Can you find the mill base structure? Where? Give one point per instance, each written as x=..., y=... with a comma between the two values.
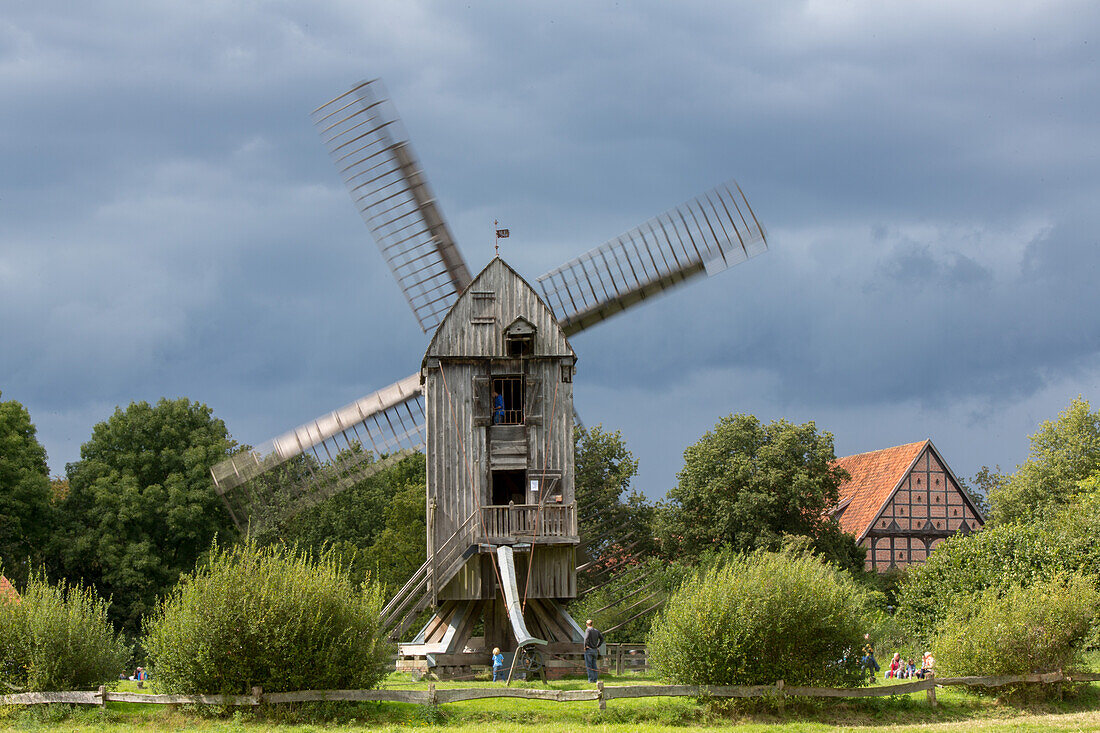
x=447, y=646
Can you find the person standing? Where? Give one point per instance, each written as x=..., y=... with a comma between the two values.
x=498, y=665
x=869, y=663
x=593, y=640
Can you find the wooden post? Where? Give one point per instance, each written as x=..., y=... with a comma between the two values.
x=931, y=677
x=433, y=579
x=257, y=695
x=432, y=700
x=599, y=689
x=782, y=696
x=102, y=696
x=512, y=669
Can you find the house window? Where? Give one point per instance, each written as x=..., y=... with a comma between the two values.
x=507, y=400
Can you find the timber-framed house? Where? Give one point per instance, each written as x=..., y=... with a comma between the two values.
x=901, y=503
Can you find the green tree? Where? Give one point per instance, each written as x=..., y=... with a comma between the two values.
x=746, y=485
x=400, y=548
x=358, y=514
x=141, y=507
x=980, y=485
x=614, y=521
x=378, y=525
x=1064, y=453
x=25, y=510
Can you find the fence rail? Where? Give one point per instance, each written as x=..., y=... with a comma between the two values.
x=601, y=694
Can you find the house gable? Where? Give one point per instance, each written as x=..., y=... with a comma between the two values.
x=919, y=505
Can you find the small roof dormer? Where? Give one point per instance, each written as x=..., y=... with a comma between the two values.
x=519, y=338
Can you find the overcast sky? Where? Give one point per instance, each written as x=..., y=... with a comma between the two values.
x=928, y=174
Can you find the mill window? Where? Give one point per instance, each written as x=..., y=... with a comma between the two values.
x=482, y=306
x=507, y=400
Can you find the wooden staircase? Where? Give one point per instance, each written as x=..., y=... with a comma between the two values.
x=424, y=585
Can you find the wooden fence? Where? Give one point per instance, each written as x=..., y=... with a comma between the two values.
x=625, y=658
x=600, y=694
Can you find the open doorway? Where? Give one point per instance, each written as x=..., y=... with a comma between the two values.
x=509, y=486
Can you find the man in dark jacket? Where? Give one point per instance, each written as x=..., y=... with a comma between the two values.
x=593, y=640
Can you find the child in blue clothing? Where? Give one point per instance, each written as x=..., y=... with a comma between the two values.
x=498, y=665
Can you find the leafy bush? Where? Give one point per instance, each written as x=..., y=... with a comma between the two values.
x=1038, y=628
x=759, y=618
x=998, y=558
x=274, y=617
x=57, y=637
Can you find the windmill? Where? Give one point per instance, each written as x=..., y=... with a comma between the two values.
x=364, y=137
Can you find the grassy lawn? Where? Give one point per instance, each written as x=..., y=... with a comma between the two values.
x=957, y=711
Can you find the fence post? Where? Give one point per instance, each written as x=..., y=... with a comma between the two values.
x=599, y=689
x=432, y=700
x=782, y=695
x=931, y=677
x=619, y=662
x=102, y=696
x=257, y=695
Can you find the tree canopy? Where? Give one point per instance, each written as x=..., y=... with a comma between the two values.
x=25, y=509
x=746, y=485
x=1064, y=454
x=615, y=522
x=378, y=525
x=141, y=506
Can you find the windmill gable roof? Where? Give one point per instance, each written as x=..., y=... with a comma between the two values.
x=493, y=301
x=874, y=476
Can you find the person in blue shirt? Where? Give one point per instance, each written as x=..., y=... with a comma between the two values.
x=498, y=408
x=498, y=665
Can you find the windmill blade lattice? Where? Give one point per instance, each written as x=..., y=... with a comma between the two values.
x=706, y=235
x=319, y=459
x=363, y=135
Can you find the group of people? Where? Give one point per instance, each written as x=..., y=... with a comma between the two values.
x=899, y=668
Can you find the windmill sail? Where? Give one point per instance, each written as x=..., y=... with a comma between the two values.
x=363, y=135
x=706, y=235
x=307, y=465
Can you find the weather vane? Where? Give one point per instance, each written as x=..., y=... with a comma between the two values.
x=500, y=234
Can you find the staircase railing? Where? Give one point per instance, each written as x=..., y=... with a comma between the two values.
x=439, y=568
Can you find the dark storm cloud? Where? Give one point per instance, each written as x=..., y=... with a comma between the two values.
x=169, y=223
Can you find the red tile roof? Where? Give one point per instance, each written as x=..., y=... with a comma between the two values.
x=7, y=591
x=874, y=477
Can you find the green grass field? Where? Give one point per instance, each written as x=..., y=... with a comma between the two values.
x=957, y=711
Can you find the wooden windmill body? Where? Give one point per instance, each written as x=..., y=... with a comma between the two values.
x=499, y=473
